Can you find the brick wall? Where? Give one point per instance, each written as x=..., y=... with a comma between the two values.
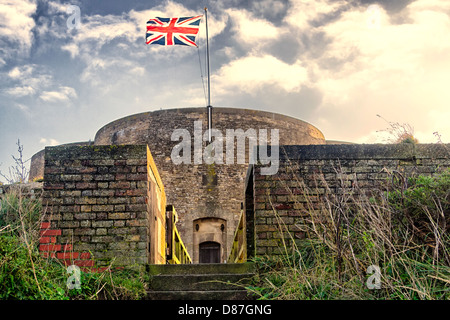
x=96, y=199
x=325, y=169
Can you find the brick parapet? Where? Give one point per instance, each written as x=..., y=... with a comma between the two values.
x=282, y=202
x=96, y=205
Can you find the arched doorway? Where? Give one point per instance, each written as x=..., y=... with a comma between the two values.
x=209, y=240
x=209, y=252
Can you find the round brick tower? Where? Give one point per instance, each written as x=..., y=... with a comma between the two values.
x=204, y=195
x=207, y=197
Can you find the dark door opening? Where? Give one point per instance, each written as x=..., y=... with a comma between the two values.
x=209, y=252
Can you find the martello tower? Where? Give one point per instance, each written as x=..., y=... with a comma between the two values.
x=207, y=197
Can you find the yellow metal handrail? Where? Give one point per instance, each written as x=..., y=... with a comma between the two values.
x=165, y=241
x=238, y=253
x=156, y=207
x=176, y=250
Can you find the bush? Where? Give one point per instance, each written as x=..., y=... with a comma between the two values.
x=403, y=232
x=424, y=206
x=25, y=274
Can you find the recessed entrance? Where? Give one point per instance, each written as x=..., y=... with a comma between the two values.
x=209, y=252
x=209, y=240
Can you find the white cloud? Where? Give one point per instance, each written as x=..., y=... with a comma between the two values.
x=49, y=142
x=14, y=73
x=62, y=95
x=250, y=29
x=102, y=29
x=72, y=48
x=56, y=7
x=16, y=24
x=96, y=31
x=28, y=79
x=302, y=13
x=252, y=72
x=137, y=71
x=397, y=70
x=21, y=72
x=433, y=5
x=99, y=72
x=20, y=91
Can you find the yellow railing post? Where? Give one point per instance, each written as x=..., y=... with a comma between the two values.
x=177, y=252
x=156, y=207
x=238, y=253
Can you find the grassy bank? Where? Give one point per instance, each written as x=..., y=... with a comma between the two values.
x=400, y=230
x=25, y=274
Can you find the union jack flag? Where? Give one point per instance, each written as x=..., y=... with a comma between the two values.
x=172, y=31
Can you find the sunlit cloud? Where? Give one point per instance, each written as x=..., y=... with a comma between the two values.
x=49, y=142
x=16, y=24
x=251, y=72
x=63, y=94
x=398, y=70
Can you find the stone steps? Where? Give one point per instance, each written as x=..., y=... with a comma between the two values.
x=200, y=281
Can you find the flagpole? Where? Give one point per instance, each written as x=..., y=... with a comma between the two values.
x=209, y=107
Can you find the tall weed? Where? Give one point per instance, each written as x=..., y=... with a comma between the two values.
x=401, y=229
x=25, y=274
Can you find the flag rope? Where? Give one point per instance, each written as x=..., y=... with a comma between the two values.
x=201, y=74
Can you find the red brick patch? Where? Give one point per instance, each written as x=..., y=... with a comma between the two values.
x=49, y=249
x=48, y=232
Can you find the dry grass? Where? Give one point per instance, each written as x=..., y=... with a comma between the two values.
x=401, y=229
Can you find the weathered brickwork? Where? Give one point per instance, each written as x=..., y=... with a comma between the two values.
x=214, y=191
x=38, y=160
x=96, y=211
x=279, y=200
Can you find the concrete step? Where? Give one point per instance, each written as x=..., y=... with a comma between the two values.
x=200, y=282
x=212, y=281
x=203, y=268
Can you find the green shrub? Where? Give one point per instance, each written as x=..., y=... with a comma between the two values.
x=424, y=205
x=25, y=274
x=20, y=279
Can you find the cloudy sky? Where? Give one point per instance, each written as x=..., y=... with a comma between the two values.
x=335, y=64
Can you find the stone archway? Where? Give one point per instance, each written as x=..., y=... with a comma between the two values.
x=210, y=240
